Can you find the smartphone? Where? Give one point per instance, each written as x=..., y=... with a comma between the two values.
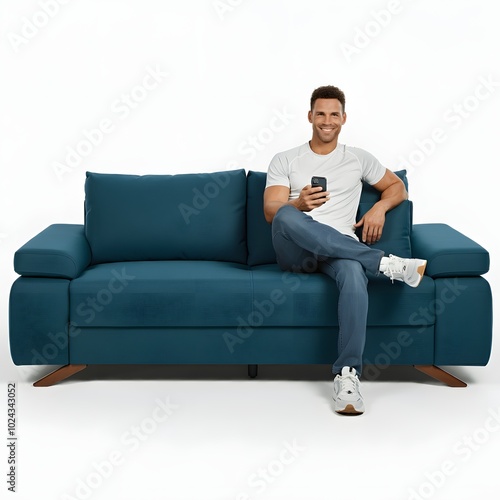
x=318, y=182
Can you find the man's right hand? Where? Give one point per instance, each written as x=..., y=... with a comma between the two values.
x=311, y=198
x=277, y=196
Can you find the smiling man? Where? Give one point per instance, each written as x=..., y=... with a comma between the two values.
x=312, y=225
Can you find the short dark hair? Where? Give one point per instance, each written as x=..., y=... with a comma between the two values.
x=328, y=92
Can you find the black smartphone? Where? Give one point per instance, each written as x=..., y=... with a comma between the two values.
x=318, y=182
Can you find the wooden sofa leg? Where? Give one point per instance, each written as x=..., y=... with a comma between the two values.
x=252, y=371
x=439, y=374
x=60, y=374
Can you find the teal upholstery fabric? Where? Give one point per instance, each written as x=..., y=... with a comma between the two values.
x=38, y=321
x=200, y=293
x=279, y=345
x=370, y=195
x=260, y=244
x=161, y=293
x=396, y=234
x=448, y=252
x=465, y=326
x=307, y=300
x=395, y=238
x=160, y=274
x=166, y=217
x=59, y=251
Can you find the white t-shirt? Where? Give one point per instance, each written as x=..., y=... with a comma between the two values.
x=344, y=168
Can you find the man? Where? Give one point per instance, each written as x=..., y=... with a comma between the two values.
x=309, y=223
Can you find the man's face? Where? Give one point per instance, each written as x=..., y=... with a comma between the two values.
x=327, y=119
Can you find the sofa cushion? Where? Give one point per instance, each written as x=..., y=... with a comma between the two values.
x=370, y=195
x=182, y=294
x=395, y=238
x=161, y=294
x=260, y=244
x=397, y=229
x=166, y=217
x=396, y=235
x=310, y=300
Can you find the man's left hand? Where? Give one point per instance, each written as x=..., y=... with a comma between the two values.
x=373, y=224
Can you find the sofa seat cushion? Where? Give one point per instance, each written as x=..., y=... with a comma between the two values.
x=161, y=294
x=221, y=294
x=301, y=300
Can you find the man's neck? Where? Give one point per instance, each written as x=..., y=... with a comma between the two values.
x=321, y=148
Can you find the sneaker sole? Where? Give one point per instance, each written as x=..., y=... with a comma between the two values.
x=350, y=410
x=420, y=272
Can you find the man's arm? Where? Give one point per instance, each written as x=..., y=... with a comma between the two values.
x=277, y=196
x=393, y=192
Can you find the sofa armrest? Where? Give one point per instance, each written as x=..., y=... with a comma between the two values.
x=59, y=251
x=448, y=252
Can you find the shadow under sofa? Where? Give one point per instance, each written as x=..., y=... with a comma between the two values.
x=180, y=269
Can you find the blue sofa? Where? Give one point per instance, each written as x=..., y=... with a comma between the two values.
x=181, y=269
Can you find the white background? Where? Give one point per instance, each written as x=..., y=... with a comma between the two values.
x=414, y=74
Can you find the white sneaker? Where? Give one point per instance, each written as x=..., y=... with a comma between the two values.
x=348, y=399
x=410, y=271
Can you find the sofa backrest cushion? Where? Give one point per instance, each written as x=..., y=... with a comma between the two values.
x=395, y=237
x=396, y=234
x=260, y=245
x=370, y=195
x=166, y=217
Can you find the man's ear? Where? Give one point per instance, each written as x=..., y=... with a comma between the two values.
x=344, y=118
x=309, y=116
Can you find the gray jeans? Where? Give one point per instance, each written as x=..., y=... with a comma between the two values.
x=298, y=238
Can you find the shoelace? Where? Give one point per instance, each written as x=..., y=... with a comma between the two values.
x=349, y=384
x=395, y=267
